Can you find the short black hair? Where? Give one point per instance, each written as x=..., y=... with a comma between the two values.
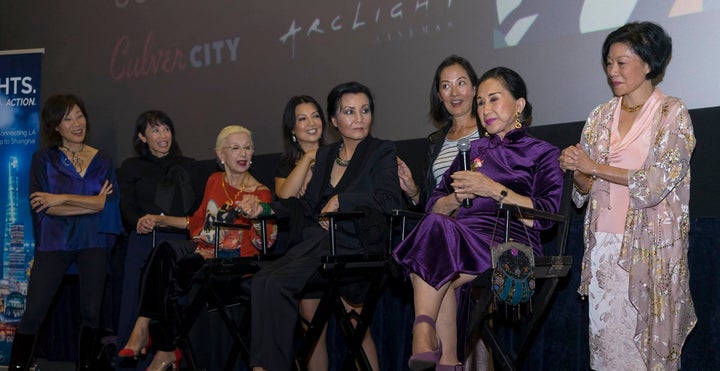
x=648, y=40
x=351, y=87
x=153, y=118
x=54, y=111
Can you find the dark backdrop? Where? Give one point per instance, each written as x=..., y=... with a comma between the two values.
x=214, y=63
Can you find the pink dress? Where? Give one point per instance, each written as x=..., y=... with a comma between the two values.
x=635, y=269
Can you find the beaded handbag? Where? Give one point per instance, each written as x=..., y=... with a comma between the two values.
x=513, y=277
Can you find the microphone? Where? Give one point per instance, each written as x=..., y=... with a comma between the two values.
x=464, y=148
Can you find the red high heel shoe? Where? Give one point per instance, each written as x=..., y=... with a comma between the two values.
x=132, y=353
x=425, y=360
x=164, y=365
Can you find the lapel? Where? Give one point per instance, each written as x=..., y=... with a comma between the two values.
x=356, y=167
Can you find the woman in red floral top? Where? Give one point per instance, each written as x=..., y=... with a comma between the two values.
x=223, y=191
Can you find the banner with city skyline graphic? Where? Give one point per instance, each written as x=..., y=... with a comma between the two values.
x=19, y=127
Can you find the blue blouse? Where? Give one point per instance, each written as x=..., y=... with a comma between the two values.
x=52, y=172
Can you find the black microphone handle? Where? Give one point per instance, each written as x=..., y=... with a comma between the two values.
x=464, y=157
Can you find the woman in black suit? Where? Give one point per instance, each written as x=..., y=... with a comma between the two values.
x=357, y=173
x=159, y=180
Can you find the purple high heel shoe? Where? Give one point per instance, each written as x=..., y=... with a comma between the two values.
x=425, y=360
x=457, y=367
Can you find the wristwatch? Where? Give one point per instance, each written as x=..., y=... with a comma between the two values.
x=503, y=194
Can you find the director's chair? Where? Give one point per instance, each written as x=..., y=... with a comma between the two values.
x=337, y=271
x=220, y=284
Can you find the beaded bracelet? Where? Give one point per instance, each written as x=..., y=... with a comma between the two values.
x=266, y=210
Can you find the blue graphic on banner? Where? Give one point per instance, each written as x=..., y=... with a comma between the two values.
x=19, y=128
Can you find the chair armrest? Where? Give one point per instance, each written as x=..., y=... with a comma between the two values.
x=169, y=230
x=332, y=215
x=263, y=230
x=530, y=213
x=404, y=215
x=157, y=230
x=342, y=214
x=231, y=225
x=407, y=214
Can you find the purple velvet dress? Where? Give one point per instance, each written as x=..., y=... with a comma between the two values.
x=441, y=247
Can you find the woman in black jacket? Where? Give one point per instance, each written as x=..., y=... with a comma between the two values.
x=357, y=173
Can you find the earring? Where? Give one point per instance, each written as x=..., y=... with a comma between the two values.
x=294, y=139
x=518, y=124
x=486, y=134
x=249, y=162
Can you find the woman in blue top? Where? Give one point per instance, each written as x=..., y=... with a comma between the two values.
x=76, y=216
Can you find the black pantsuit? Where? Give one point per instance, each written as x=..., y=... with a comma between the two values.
x=370, y=183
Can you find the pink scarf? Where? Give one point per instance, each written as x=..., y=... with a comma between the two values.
x=628, y=152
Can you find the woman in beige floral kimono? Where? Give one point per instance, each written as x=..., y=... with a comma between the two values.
x=633, y=165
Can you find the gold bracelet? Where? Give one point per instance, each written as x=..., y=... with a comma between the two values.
x=584, y=191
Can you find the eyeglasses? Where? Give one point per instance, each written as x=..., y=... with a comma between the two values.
x=236, y=149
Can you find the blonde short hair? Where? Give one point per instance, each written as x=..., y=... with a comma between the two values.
x=229, y=130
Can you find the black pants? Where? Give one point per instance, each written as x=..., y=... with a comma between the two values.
x=170, y=266
x=139, y=248
x=274, y=306
x=47, y=272
x=274, y=297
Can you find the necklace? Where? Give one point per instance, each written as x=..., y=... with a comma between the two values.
x=630, y=109
x=74, y=159
x=339, y=160
x=231, y=200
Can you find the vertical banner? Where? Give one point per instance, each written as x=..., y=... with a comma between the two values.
x=19, y=128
